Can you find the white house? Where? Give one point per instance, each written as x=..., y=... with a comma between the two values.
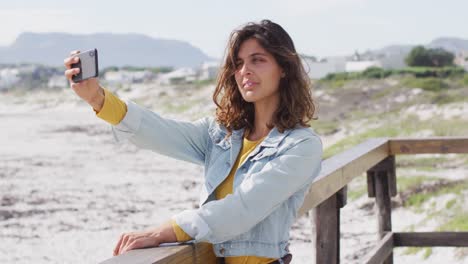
x=317, y=69
x=9, y=77
x=128, y=76
x=359, y=66
x=209, y=70
x=359, y=63
x=57, y=81
x=461, y=59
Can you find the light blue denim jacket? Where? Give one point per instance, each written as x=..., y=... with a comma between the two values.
x=269, y=187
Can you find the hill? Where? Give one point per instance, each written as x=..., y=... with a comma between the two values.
x=114, y=50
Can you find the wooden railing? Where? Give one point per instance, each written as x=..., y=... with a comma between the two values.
x=328, y=194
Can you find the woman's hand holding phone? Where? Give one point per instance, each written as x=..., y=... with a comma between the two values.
x=89, y=90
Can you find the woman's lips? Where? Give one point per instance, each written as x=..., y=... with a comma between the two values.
x=249, y=84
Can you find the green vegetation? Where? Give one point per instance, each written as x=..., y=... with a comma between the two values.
x=427, y=253
x=357, y=191
x=405, y=183
x=136, y=69
x=434, y=79
x=379, y=73
x=464, y=80
x=400, y=127
x=375, y=73
x=324, y=127
x=389, y=129
x=151, y=69
x=426, y=162
x=415, y=250
x=450, y=204
x=412, y=250
x=411, y=161
x=417, y=199
x=458, y=222
x=202, y=83
x=420, y=56
x=336, y=83
x=448, y=128
x=428, y=84
x=444, y=98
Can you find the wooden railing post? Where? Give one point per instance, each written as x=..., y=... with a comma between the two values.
x=326, y=223
x=381, y=181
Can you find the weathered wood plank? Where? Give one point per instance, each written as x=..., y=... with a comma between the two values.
x=428, y=145
x=380, y=252
x=327, y=235
x=174, y=254
x=342, y=196
x=387, y=165
x=383, y=205
x=340, y=169
x=370, y=184
x=431, y=239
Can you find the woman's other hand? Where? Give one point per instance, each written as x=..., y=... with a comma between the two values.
x=145, y=239
x=88, y=90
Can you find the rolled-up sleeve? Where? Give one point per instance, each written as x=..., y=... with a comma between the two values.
x=282, y=176
x=113, y=109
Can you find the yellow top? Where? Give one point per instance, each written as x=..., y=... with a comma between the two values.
x=114, y=110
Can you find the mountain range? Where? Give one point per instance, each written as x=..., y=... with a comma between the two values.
x=144, y=51
x=114, y=50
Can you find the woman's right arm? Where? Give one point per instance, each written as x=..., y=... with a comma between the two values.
x=178, y=139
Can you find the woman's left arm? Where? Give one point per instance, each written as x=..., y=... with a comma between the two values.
x=257, y=196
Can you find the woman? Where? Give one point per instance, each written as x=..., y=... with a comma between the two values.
x=259, y=155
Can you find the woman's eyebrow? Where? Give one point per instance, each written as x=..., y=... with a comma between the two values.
x=254, y=54
x=257, y=53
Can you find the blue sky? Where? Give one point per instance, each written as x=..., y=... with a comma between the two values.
x=318, y=27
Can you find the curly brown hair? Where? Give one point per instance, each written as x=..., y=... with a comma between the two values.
x=296, y=104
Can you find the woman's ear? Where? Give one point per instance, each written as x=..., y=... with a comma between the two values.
x=283, y=74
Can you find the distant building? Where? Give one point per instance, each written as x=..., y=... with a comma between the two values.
x=461, y=59
x=57, y=81
x=209, y=70
x=123, y=76
x=359, y=66
x=360, y=62
x=9, y=77
x=317, y=69
x=181, y=75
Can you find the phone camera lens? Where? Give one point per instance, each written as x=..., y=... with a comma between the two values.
x=91, y=53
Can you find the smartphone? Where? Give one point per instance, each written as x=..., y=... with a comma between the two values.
x=88, y=65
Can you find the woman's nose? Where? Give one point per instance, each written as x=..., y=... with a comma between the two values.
x=244, y=70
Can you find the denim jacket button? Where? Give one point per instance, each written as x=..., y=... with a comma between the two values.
x=221, y=251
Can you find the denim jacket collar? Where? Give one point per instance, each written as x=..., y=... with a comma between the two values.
x=218, y=134
x=274, y=138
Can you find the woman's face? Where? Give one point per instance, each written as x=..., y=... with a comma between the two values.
x=258, y=74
